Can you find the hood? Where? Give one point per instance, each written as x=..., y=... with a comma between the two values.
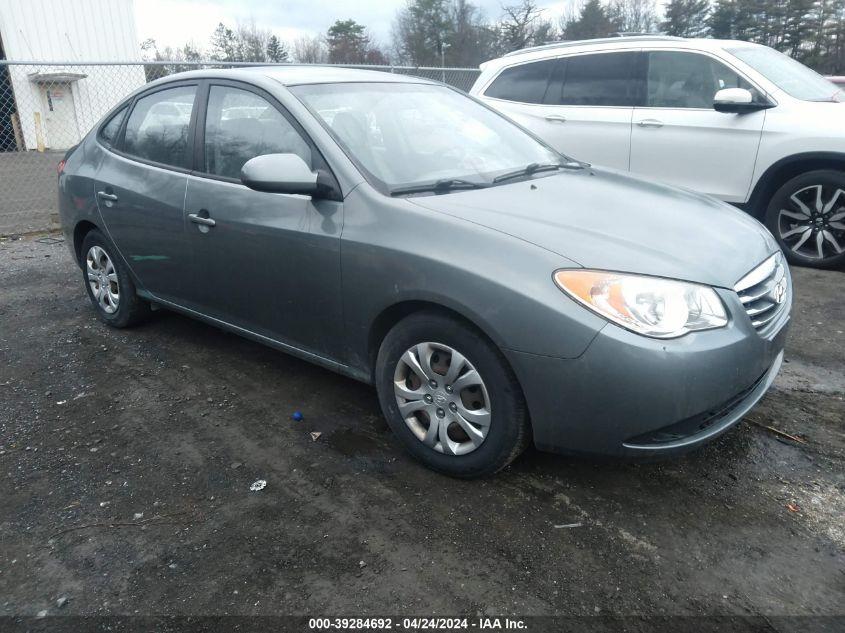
x=606, y=220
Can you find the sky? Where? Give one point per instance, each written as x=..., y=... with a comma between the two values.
x=175, y=22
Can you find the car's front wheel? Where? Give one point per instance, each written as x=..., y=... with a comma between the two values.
x=450, y=396
x=807, y=217
x=109, y=285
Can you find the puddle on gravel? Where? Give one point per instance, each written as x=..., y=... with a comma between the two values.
x=355, y=442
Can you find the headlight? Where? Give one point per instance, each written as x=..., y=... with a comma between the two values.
x=652, y=306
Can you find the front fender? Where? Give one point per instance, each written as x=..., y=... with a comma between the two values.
x=393, y=251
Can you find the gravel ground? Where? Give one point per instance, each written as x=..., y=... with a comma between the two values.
x=28, y=191
x=127, y=457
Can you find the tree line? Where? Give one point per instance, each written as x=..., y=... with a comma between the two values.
x=456, y=33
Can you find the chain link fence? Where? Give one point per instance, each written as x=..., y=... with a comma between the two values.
x=48, y=107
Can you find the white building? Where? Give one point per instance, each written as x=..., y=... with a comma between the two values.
x=52, y=105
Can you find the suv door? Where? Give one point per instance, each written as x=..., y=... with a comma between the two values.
x=140, y=186
x=678, y=137
x=271, y=262
x=585, y=107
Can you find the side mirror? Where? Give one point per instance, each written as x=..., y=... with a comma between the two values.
x=736, y=101
x=280, y=173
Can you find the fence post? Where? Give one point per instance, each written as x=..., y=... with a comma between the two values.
x=39, y=134
x=17, y=131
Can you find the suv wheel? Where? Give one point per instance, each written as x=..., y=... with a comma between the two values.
x=807, y=217
x=109, y=285
x=450, y=396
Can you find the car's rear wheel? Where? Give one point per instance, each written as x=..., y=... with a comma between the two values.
x=807, y=217
x=109, y=285
x=450, y=396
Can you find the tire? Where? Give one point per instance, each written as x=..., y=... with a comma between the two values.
x=495, y=405
x=109, y=286
x=807, y=214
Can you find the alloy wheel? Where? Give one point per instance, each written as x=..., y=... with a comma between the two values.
x=442, y=398
x=812, y=224
x=102, y=279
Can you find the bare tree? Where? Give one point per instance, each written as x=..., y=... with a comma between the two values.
x=518, y=26
x=188, y=53
x=310, y=50
x=252, y=42
x=469, y=39
x=634, y=16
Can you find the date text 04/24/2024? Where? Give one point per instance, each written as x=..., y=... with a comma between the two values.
x=417, y=624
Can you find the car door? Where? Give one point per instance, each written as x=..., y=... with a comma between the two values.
x=140, y=187
x=265, y=262
x=585, y=107
x=678, y=137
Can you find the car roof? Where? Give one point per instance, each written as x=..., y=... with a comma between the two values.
x=555, y=49
x=299, y=74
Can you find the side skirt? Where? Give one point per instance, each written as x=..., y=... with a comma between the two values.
x=340, y=368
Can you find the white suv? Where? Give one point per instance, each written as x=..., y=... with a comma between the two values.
x=739, y=121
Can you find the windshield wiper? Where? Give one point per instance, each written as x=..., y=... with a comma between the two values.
x=534, y=168
x=440, y=186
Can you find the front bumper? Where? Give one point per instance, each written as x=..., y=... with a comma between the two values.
x=630, y=395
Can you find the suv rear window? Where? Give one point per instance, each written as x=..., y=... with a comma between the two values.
x=525, y=83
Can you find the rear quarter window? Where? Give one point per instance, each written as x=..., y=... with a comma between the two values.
x=526, y=83
x=108, y=132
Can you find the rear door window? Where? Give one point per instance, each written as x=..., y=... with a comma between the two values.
x=158, y=127
x=526, y=83
x=605, y=79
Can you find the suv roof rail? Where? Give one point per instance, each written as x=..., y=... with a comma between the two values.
x=601, y=40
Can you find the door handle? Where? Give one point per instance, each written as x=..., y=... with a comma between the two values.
x=650, y=123
x=196, y=219
x=555, y=118
x=104, y=195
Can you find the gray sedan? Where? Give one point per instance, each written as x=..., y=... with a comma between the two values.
x=392, y=229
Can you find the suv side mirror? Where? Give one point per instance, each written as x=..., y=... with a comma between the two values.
x=736, y=101
x=280, y=173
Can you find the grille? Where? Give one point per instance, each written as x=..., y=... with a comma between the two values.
x=764, y=291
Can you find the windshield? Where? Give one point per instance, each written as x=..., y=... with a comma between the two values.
x=793, y=77
x=405, y=135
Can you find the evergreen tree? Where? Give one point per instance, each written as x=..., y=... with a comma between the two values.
x=348, y=42
x=276, y=51
x=420, y=32
x=224, y=44
x=686, y=18
x=723, y=19
x=592, y=22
